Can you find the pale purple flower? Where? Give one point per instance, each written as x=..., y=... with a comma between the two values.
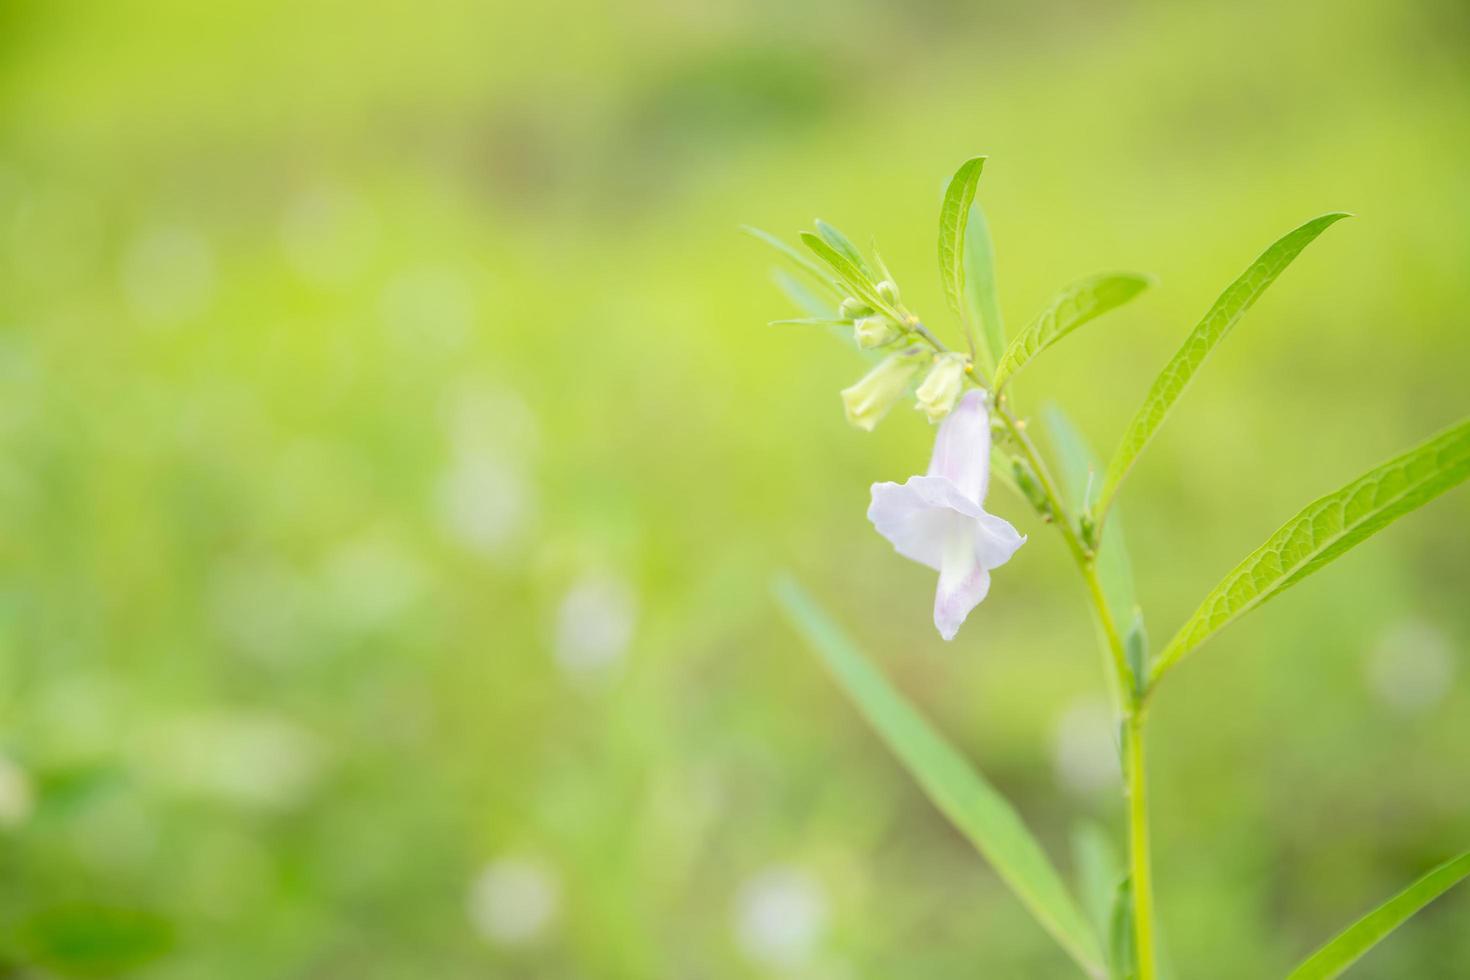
x=939, y=519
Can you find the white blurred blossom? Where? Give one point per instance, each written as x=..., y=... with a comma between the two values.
x=369, y=582
x=1084, y=747
x=485, y=497
x=514, y=901
x=780, y=917
x=479, y=413
x=1411, y=667
x=486, y=502
x=255, y=605
x=328, y=234
x=168, y=275
x=594, y=625
x=429, y=309
x=17, y=794
x=254, y=761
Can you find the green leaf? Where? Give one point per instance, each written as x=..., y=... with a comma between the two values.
x=1122, y=947
x=954, y=215
x=1324, y=530
x=804, y=262
x=858, y=281
x=1072, y=307
x=980, y=283
x=1135, y=650
x=1227, y=311
x=811, y=321
x=803, y=297
x=880, y=265
x=1099, y=868
x=847, y=249
x=1349, y=945
x=972, y=804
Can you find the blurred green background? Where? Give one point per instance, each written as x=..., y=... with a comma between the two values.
x=394, y=459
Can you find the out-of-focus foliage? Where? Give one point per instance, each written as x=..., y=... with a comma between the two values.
x=394, y=457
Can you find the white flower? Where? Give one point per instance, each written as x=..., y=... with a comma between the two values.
x=780, y=917
x=514, y=901
x=939, y=519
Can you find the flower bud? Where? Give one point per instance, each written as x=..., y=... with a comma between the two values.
x=888, y=291
x=943, y=386
x=852, y=309
x=880, y=389
x=1030, y=489
x=875, y=331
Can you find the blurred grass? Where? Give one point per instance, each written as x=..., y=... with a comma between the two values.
x=368, y=374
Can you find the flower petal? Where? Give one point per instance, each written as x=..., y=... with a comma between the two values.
x=995, y=540
x=916, y=516
x=963, y=580
x=962, y=447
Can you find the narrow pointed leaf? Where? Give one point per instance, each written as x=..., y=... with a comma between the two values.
x=803, y=262
x=1072, y=307
x=1098, y=868
x=1357, y=939
x=1227, y=311
x=846, y=248
x=800, y=294
x=1122, y=948
x=961, y=793
x=954, y=215
x=1135, y=650
x=1326, y=529
x=811, y=321
x=859, y=282
x=880, y=265
x=980, y=285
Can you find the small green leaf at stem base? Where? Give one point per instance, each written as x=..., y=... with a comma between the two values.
x=1122, y=948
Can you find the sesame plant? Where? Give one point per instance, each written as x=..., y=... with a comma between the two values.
x=939, y=519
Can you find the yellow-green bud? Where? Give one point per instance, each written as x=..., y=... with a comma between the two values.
x=888, y=292
x=943, y=386
x=852, y=308
x=880, y=389
x=875, y=331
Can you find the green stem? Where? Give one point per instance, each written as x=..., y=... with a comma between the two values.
x=1131, y=695
x=1139, y=862
x=1043, y=475
x=1126, y=687
x=1136, y=775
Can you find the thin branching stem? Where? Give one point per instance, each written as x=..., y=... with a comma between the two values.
x=1130, y=698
